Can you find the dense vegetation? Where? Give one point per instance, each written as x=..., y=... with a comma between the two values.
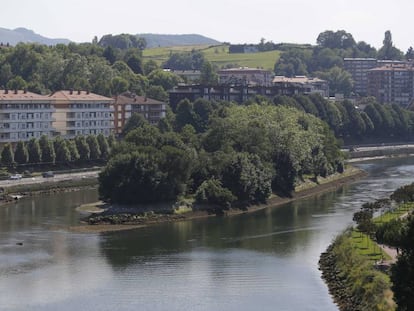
x=370, y=122
x=395, y=230
x=352, y=279
x=221, y=153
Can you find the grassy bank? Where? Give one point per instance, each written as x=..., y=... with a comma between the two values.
x=218, y=55
x=352, y=279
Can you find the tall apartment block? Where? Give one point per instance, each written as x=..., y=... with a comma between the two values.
x=82, y=113
x=358, y=68
x=392, y=84
x=24, y=115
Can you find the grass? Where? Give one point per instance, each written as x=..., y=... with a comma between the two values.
x=394, y=214
x=366, y=247
x=218, y=55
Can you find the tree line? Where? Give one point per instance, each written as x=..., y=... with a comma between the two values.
x=397, y=233
x=100, y=68
x=57, y=150
x=220, y=153
x=373, y=121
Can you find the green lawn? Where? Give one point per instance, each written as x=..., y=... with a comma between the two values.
x=218, y=55
x=367, y=247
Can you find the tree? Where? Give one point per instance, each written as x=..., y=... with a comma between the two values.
x=388, y=50
x=21, y=155
x=340, y=81
x=119, y=85
x=17, y=83
x=208, y=75
x=73, y=150
x=33, y=149
x=336, y=40
x=83, y=148
x=62, y=150
x=95, y=151
x=7, y=156
x=47, y=150
x=103, y=146
x=410, y=54
x=402, y=273
x=212, y=192
x=135, y=121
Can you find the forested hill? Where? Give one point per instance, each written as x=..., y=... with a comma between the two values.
x=162, y=40
x=24, y=35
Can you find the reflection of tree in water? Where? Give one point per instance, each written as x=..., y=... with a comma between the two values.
x=279, y=230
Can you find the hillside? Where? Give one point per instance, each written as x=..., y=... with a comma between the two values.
x=24, y=35
x=162, y=40
x=218, y=55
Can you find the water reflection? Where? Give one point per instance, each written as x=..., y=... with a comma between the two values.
x=265, y=260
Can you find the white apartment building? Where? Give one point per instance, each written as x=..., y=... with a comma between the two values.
x=82, y=113
x=24, y=115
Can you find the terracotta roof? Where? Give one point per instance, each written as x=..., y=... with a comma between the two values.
x=135, y=99
x=78, y=96
x=21, y=95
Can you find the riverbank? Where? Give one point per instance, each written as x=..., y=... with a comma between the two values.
x=353, y=281
x=115, y=218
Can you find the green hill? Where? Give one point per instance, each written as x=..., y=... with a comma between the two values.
x=160, y=40
x=218, y=55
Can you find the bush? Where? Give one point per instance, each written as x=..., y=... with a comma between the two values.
x=212, y=192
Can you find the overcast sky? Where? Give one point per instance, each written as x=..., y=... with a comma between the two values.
x=235, y=21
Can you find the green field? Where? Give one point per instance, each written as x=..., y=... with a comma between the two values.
x=218, y=55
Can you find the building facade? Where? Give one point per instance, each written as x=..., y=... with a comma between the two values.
x=358, y=68
x=25, y=115
x=245, y=76
x=82, y=113
x=126, y=104
x=392, y=84
x=305, y=85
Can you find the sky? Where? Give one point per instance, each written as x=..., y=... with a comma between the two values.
x=234, y=21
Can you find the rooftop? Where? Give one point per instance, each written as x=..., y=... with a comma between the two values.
x=127, y=98
x=296, y=79
x=21, y=95
x=78, y=95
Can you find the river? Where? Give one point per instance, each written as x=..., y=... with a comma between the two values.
x=266, y=260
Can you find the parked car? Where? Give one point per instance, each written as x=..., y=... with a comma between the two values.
x=16, y=177
x=48, y=174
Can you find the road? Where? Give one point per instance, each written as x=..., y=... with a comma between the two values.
x=40, y=179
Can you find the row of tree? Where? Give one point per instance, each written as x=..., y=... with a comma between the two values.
x=58, y=150
x=371, y=121
x=398, y=233
x=221, y=153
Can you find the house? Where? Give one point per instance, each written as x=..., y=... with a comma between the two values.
x=126, y=104
x=82, y=113
x=24, y=115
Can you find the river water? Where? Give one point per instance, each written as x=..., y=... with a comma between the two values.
x=266, y=260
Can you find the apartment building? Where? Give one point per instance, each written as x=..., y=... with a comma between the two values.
x=245, y=76
x=82, y=113
x=392, y=84
x=305, y=85
x=24, y=115
x=358, y=68
x=126, y=104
